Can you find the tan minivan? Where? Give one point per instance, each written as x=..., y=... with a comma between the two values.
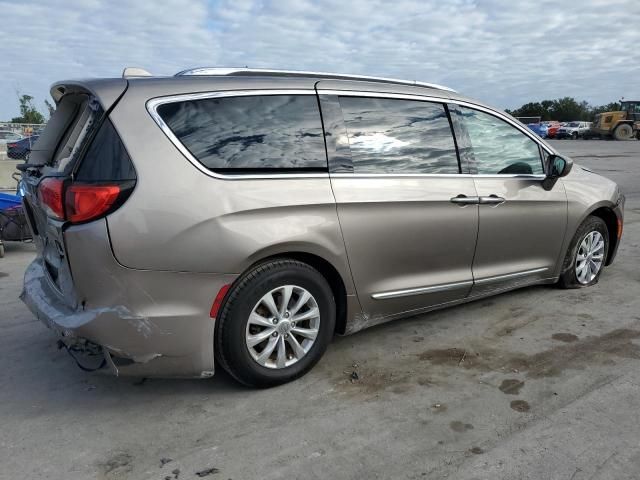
x=247, y=216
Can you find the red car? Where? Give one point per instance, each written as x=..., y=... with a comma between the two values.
x=553, y=129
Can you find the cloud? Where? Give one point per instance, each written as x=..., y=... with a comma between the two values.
x=499, y=51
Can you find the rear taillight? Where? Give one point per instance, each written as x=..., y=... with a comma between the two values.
x=12, y=145
x=50, y=192
x=81, y=202
x=86, y=202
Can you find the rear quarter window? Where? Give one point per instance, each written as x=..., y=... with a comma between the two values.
x=243, y=134
x=106, y=158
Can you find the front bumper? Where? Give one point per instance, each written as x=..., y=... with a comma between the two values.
x=564, y=134
x=148, y=323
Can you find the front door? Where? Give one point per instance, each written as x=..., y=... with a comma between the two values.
x=521, y=225
x=408, y=217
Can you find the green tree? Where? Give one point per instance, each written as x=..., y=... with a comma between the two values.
x=567, y=108
x=562, y=109
x=28, y=112
x=609, y=107
x=50, y=107
x=531, y=109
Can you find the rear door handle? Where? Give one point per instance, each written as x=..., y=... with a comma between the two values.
x=464, y=200
x=491, y=200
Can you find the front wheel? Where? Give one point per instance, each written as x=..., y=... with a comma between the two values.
x=275, y=324
x=586, y=255
x=623, y=132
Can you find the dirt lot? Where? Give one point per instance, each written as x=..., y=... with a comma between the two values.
x=535, y=384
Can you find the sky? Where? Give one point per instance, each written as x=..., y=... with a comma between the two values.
x=503, y=52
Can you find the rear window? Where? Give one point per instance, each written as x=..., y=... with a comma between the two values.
x=250, y=133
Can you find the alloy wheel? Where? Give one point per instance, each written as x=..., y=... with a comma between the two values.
x=590, y=257
x=282, y=327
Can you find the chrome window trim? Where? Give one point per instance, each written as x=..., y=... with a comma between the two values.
x=153, y=104
x=443, y=99
x=421, y=290
x=508, y=276
x=152, y=107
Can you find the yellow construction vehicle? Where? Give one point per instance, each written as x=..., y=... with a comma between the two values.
x=623, y=124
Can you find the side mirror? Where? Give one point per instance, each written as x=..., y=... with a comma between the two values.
x=558, y=166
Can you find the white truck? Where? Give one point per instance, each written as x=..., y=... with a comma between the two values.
x=573, y=130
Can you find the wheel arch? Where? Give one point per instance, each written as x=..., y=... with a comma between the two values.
x=340, y=286
x=610, y=218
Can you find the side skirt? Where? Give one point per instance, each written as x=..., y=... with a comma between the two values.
x=358, y=320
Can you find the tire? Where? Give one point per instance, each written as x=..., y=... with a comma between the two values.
x=574, y=136
x=569, y=277
x=234, y=330
x=623, y=132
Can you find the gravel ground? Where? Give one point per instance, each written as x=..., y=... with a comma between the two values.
x=537, y=384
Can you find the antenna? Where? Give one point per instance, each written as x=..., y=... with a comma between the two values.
x=130, y=72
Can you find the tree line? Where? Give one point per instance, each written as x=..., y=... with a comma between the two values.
x=28, y=111
x=563, y=109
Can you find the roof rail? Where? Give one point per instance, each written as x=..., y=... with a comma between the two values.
x=221, y=71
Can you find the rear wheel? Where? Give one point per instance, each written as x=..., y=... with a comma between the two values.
x=586, y=255
x=623, y=132
x=276, y=323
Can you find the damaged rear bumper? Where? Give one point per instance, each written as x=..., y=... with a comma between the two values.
x=148, y=323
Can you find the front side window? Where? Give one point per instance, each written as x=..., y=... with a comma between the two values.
x=494, y=147
x=248, y=133
x=398, y=136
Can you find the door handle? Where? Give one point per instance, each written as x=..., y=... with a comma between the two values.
x=464, y=200
x=491, y=200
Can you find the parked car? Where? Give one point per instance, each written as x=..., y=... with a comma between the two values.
x=250, y=215
x=539, y=129
x=552, y=129
x=7, y=136
x=21, y=148
x=573, y=130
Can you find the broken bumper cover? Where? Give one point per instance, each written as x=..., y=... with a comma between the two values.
x=148, y=334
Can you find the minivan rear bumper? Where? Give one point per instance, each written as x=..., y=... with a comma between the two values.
x=148, y=323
